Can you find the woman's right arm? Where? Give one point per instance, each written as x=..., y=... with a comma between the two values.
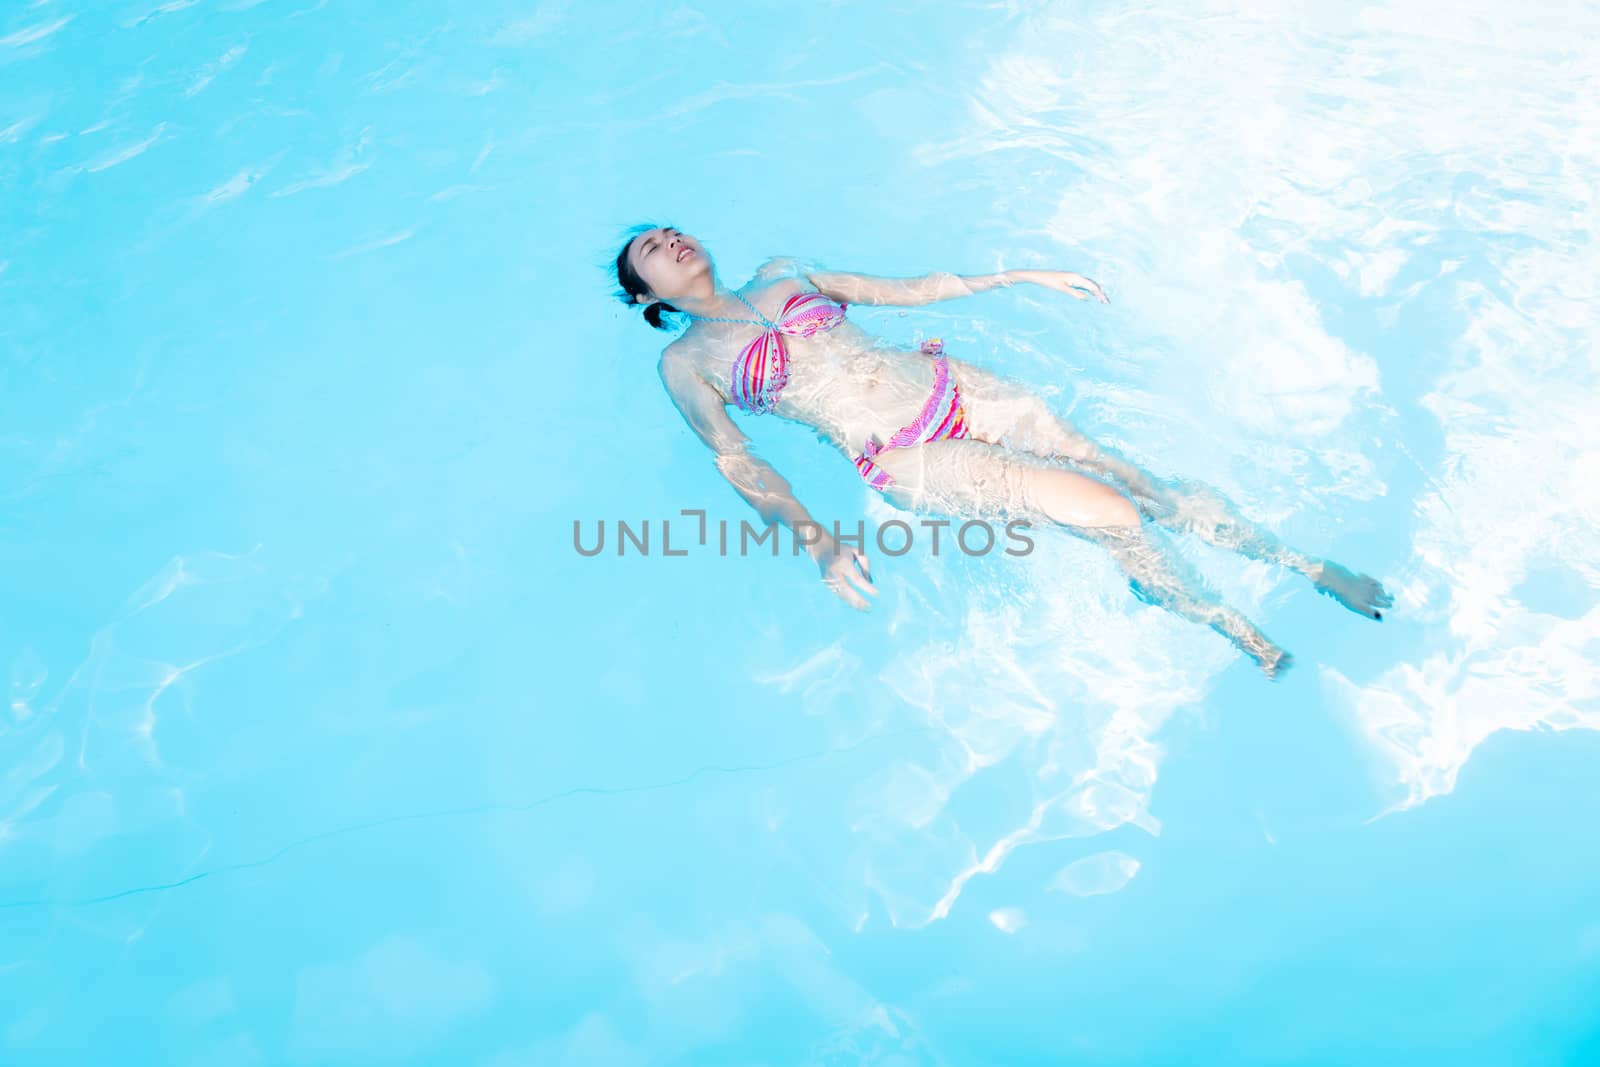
x=762, y=487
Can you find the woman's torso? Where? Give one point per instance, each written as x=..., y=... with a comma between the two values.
x=842, y=382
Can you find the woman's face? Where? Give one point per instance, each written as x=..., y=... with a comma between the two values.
x=668, y=260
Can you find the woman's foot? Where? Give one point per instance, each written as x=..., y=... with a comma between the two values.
x=1361, y=594
x=1272, y=660
x=1275, y=665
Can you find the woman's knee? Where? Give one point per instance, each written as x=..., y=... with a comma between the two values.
x=1077, y=500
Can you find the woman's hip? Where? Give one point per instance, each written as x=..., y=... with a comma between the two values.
x=942, y=418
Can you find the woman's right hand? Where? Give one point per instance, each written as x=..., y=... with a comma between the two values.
x=845, y=571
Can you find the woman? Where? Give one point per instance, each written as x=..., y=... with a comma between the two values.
x=930, y=432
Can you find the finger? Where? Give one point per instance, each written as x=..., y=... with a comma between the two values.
x=845, y=593
x=863, y=584
x=851, y=572
x=866, y=565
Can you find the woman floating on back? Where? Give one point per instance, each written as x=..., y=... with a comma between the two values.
x=931, y=433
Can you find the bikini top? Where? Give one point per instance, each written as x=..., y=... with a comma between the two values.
x=761, y=370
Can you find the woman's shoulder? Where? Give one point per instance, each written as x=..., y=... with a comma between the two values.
x=687, y=361
x=795, y=268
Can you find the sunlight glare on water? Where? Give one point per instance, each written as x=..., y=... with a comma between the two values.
x=323, y=745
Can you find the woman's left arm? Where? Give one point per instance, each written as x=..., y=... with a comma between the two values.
x=914, y=292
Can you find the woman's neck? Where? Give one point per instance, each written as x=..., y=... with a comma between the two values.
x=715, y=302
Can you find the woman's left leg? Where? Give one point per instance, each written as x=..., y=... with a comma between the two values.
x=1005, y=412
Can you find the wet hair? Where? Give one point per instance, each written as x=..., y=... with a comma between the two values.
x=634, y=286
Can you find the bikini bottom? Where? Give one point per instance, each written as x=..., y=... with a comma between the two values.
x=942, y=419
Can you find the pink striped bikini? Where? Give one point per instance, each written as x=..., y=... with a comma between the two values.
x=942, y=419
x=762, y=370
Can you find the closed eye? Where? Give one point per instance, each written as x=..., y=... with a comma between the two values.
x=650, y=245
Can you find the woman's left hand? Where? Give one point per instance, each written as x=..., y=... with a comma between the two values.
x=1063, y=281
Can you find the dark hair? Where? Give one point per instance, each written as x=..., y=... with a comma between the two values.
x=634, y=286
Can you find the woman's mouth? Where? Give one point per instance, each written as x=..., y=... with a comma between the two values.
x=685, y=254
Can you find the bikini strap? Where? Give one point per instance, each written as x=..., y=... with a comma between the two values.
x=768, y=323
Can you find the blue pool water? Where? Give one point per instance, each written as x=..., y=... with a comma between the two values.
x=323, y=746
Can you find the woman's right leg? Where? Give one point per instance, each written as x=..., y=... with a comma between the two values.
x=969, y=477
